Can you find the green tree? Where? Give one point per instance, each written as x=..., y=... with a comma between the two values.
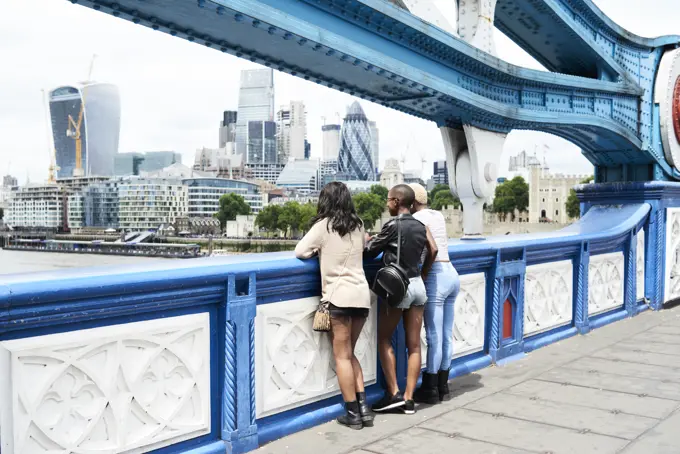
x=289, y=219
x=268, y=218
x=504, y=200
x=369, y=207
x=444, y=199
x=520, y=192
x=510, y=196
x=231, y=205
x=436, y=190
x=573, y=205
x=380, y=191
x=307, y=212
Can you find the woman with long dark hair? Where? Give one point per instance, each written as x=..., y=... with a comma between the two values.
x=337, y=236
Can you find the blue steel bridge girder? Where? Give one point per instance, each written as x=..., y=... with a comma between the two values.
x=382, y=53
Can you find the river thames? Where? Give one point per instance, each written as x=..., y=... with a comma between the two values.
x=28, y=261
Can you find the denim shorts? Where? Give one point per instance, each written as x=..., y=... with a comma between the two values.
x=415, y=296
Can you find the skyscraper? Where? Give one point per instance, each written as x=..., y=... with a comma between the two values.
x=255, y=103
x=331, y=141
x=441, y=173
x=375, y=144
x=356, y=155
x=261, y=142
x=99, y=130
x=228, y=128
x=135, y=163
x=291, y=122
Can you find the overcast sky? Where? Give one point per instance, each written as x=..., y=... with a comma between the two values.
x=174, y=92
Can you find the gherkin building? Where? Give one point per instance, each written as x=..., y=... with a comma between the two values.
x=356, y=155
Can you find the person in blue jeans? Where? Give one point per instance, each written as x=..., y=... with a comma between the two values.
x=442, y=285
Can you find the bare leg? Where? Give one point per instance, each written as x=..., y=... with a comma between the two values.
x=341, y=328
x=357, y=326
x=388, y=321
x=413, y=323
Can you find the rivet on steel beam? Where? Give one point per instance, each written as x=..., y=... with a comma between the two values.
x=256, y=23
x=96, y=6
x=330, y=52
x=317, y=47
x=173, y=32
x=191, y=38
x=155, y=26
x=238, y=17
x=356, y=62
x=271, y=30
x=239, y=54
x=220, y=10
x=302, y=41
x=116, y=14
x=287, y=36
x=200, y=3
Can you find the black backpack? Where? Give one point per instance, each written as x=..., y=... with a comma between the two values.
x=391, y=281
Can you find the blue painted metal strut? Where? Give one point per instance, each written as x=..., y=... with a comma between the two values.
x=375, y=50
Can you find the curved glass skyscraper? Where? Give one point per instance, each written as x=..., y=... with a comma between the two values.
x=99, y=131
x=356, y=154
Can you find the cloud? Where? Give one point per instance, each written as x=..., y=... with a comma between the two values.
x=173, y=92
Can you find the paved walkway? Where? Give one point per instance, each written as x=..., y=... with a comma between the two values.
x=616, y=390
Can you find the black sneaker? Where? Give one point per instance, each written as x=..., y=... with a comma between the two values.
x=389, y=402
x=409, y=407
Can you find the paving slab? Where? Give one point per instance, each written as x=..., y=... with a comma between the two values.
x=651, y=407
x=649, y=336
x=662, y=439
x=636, y=356
x=576, y=417
x=651, y=347
x=626, y=369
x=522, y=434
x=424, y=441
x=668, y=328
x=617, y=383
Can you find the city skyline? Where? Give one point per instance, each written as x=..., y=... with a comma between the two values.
x=205, y=86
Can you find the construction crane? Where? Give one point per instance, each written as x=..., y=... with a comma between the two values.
x=73, y=130
x=53, y=168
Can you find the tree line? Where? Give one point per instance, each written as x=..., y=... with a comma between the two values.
x=292, y=217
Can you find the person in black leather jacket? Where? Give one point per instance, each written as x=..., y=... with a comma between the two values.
x=415, y=237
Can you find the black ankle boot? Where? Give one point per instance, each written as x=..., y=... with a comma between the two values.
x=352, y=417
x=427, y=393
x=443, y=385
x=365, y=411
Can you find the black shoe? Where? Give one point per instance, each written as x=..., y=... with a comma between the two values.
x=428, y=392
x=367, y=415
x=351, y=418
x=409, y=407
x=389, y=402
x=443, y=385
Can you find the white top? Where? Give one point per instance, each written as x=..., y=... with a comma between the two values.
x=435, y=221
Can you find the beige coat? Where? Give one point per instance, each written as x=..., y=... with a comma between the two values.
x=343, y=282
